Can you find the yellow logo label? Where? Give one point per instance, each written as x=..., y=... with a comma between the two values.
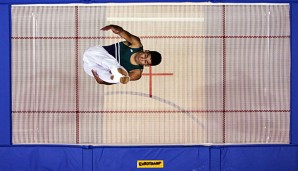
x=150, y=164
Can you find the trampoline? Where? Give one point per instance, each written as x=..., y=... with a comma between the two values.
x=224, y=92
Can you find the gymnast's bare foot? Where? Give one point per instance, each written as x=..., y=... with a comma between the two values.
x=120, y=75
x=124, y=80
x=122, y=71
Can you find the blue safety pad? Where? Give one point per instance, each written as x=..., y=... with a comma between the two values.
x=262, y=158
x=174, y=158
x=40, y=158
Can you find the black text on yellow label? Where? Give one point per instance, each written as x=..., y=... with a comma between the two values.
x=150, y=164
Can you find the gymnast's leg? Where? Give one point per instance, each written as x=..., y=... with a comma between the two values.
x=106, y=66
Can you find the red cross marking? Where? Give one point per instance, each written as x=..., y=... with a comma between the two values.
x=150, y=74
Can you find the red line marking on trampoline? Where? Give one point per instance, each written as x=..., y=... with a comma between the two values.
x=210, y=37
x=160, y=111
x=158, y=74
x=159, y=37
x=150, y=74
x=224, y=71
x=77, y=77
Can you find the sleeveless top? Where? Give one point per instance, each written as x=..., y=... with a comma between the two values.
x=122, y=54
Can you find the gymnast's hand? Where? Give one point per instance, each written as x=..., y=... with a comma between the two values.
x=94, y=73
x=116, y=29
x=98, y=80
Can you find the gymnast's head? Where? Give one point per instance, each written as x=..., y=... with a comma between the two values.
x=148, y=58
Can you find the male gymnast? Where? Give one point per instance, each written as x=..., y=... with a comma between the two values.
x=120, y=62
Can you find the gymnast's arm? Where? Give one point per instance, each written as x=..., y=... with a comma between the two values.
x=135, y=74
x=98, y=80
x=134, y=41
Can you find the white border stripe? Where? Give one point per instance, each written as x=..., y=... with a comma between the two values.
x=119, y=56
x=155, y=19
x=116, y=55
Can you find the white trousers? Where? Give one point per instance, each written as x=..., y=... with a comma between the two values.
x=98, y=59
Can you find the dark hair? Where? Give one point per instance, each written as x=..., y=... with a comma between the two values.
x=155, y=58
